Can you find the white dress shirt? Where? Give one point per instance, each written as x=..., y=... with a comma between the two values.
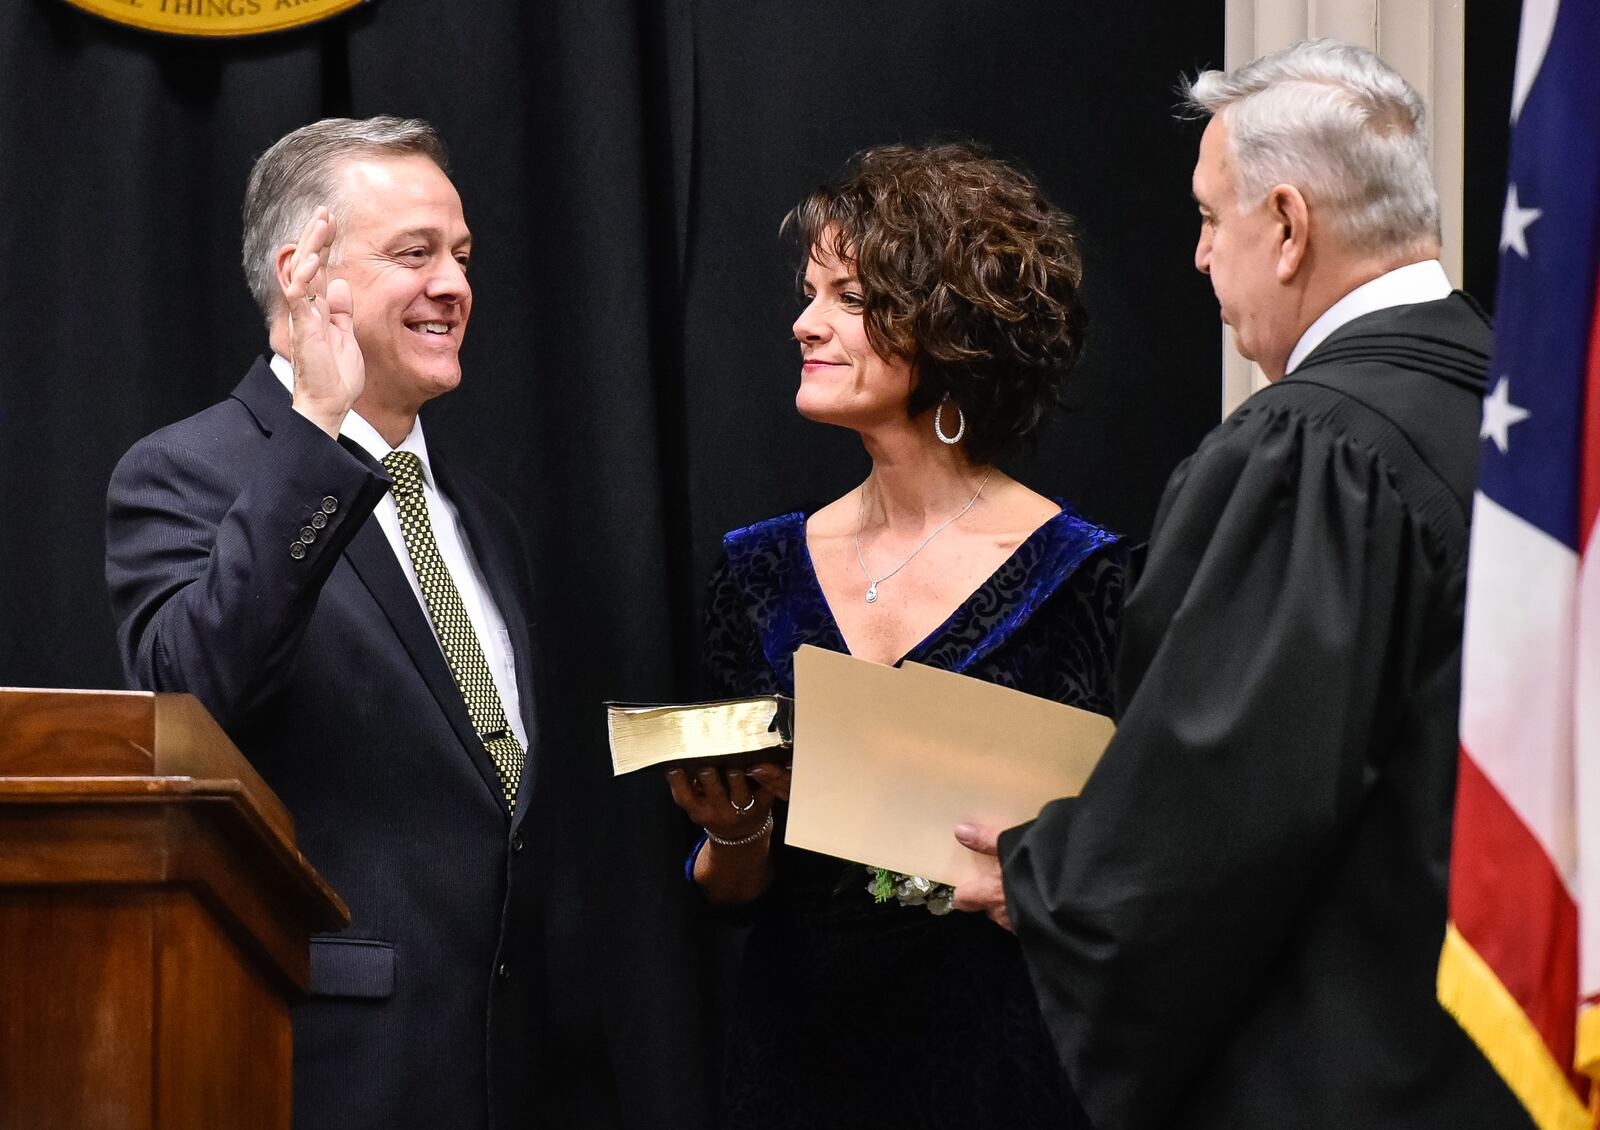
x=451, y=539
x=1415, y=282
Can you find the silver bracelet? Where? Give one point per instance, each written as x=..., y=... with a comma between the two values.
x=742, y=840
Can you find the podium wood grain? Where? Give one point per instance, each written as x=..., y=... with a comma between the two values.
x=154, y=915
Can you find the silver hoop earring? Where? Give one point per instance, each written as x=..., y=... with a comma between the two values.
x=938, y=423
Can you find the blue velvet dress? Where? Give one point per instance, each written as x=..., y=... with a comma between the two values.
x=855, y=1014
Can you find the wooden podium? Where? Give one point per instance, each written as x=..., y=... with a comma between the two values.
x=154, y=915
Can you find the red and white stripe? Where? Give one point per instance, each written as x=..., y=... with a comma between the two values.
x=1526, y=861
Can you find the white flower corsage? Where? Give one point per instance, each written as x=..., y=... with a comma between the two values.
x=909, y=890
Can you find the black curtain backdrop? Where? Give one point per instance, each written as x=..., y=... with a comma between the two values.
x=629, y=372
x=1490, y=58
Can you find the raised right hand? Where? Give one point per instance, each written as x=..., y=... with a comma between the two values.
x=329, y=373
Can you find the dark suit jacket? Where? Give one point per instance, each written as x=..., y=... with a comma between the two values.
x=324, y=670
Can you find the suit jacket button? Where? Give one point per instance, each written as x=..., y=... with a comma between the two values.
x=307, y=534
x=516, y=842
x=318, y=519
x=329, y=504
x=503, y=972
x=296, y=550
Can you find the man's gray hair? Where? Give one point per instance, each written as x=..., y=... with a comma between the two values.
x=1341, y=125
x=301, y=171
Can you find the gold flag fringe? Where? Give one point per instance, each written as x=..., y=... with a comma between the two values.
x=1470, y=992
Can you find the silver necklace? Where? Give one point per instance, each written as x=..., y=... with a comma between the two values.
x=861, y=516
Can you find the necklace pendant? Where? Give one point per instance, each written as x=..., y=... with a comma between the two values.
x=872, y=593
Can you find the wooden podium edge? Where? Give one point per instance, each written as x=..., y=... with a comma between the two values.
x=142, y=831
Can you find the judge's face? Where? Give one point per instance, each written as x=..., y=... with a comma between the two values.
x=843, y=380
x=1238, y=249
x=403, y=248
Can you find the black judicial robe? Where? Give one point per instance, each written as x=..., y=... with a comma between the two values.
x=1238, y=922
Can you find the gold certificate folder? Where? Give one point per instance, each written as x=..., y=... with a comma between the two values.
x=888, y=760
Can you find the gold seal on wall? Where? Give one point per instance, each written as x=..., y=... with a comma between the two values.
x=218, y=18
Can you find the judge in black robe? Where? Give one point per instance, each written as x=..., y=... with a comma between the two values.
x=1237, y=924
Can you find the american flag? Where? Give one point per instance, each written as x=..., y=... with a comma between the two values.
x=1520, y=968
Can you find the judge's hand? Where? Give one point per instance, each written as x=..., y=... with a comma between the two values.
x=329, y=373
x=731, y=805
x=985, y=893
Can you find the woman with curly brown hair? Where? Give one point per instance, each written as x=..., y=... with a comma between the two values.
x=940, y=317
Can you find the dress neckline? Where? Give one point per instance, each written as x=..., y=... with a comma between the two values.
x=922, y=645
x=771, y=561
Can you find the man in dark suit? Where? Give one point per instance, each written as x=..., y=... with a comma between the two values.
x=355, y=615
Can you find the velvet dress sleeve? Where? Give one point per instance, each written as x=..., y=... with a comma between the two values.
x=732, y=666
x=1253, y=655
x=732, y=659
x=1078, y=639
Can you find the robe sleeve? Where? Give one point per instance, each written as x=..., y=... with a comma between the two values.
x=1253, y=657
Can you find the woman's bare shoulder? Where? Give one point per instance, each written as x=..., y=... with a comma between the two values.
x=1018, y=510
x=837, y=519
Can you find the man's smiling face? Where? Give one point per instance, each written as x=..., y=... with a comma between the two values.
x=403, y=247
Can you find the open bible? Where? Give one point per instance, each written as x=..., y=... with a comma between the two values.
x=734, y=732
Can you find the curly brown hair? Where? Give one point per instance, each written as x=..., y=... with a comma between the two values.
x=967, y=271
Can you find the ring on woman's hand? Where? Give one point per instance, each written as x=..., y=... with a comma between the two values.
x=746, y=808
x=311, y=298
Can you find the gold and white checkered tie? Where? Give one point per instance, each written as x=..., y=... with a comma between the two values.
x=460, y=643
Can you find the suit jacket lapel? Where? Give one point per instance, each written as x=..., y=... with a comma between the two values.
x=373, y=559
x=509, y=590
x=266, y=398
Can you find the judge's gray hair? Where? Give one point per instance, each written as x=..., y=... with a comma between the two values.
x=1341, y=125
x=301, y=171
